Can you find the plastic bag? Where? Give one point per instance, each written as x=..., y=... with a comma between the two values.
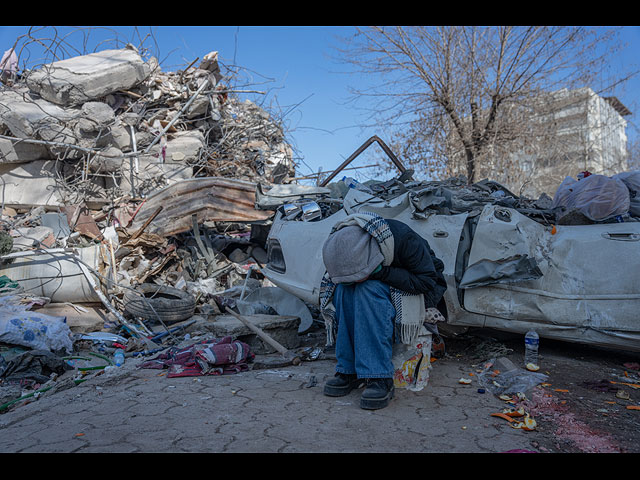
x=412, y=363
x=597, y=197
x=513, y=381
x=20, y=326
x=632, y=182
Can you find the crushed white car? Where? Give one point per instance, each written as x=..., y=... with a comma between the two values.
x=510, y=263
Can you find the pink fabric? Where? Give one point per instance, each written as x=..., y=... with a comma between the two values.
x=221, y=356
x=9, y=62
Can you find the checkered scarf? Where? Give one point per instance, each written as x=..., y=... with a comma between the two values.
x=410, y=308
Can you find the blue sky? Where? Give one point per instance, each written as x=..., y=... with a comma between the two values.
x=295, y=66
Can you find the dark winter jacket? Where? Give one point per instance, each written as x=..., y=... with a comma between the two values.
x=415, y=268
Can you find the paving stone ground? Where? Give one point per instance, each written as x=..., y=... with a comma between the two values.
x=267, y=411
x=283, y=410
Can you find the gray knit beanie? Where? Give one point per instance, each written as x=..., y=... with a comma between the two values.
x=351, y=254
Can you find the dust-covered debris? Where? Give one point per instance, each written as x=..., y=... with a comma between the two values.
x=128, y=203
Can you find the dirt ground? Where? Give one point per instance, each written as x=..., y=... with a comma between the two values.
x=582, y=405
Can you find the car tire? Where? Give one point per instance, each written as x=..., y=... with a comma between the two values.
x=162, y=302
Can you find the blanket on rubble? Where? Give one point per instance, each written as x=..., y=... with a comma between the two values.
x=221, y=356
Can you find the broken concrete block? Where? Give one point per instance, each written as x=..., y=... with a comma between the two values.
x=23, y=113
x=152, y=175
x=28, y=237
x=210, y=64
x=108, y=160
x=180, y=147
x=96, y=118
x=30, y=184
x=20, y=152
x=198, y=108
x=77, y=80
x=50, y=130
x=117, y=136
x=282, y=329
x=57, y=276
x=184, y=146
x=57, y=222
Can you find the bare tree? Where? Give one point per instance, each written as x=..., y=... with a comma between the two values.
x=465, y=92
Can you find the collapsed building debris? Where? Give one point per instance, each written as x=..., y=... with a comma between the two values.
x=108, y=124
x=128, y=202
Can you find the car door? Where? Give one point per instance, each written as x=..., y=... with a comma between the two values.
x=571, y=281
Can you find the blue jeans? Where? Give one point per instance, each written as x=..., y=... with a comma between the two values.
x=365, y=316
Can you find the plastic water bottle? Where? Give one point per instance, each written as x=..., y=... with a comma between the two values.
x=118, y=357
x=531, y=342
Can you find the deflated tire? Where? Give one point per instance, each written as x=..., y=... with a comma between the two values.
x=159, y=302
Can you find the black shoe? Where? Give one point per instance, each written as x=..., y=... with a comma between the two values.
x=378, y=393
x=341, y=384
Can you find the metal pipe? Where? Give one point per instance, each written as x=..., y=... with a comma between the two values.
x=384, y=147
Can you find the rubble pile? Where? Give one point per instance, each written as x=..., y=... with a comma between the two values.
x=128, y=201
x=105, y=150
x=108, y=124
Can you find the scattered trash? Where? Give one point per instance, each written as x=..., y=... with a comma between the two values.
x=622, y=395
x=34, y=365
x=518, y=418
x=412, y=362
x=531, y=345
x=529, y=424
x=21, y=326
x=503, y=416
x=118, y=357
x=509, y=379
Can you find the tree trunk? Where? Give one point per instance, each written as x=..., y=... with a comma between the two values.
x=471, y=165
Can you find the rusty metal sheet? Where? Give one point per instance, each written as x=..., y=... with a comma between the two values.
x=80, y=220
x=209, y=198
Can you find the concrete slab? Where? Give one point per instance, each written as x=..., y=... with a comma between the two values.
x=74, y=81
x=29, y=184
x=283, y=329
x=24, y=113
x=81, y=318
x=19, y=152
x=152, y=175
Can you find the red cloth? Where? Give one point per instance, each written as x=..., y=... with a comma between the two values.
x=221, y=356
